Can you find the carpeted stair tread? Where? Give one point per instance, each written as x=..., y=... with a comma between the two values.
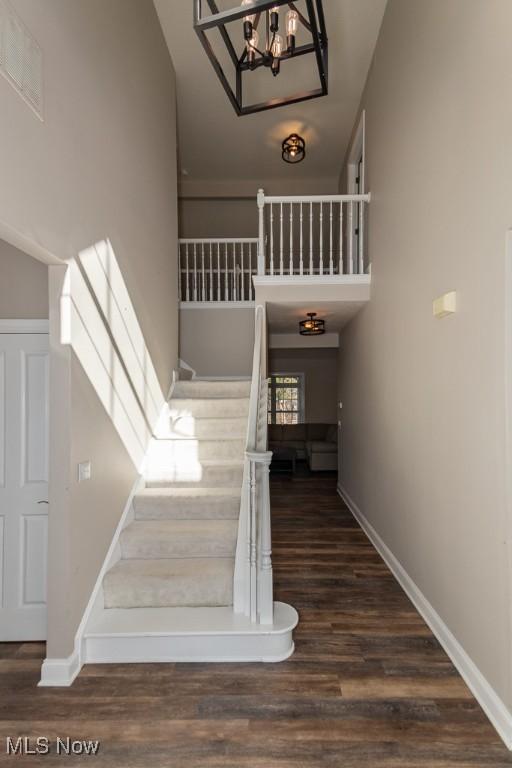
x=144, y=539
x=169, y=582
x=205, y=473
x=173, y=503
x=204, y=407
x=211, y=389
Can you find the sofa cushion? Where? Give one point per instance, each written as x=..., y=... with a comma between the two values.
x=331, y=434
x=293, y=432
x=322, y=446
x=316, y=431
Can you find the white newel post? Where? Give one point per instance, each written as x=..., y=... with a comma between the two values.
x=261, y=232
x=265, y=586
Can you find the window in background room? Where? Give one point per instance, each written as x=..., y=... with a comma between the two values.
x=286, y=398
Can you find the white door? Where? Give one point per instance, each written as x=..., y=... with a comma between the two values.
x=23, y=485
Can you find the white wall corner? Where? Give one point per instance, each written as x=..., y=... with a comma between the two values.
x=493, y=706
x=62, y=672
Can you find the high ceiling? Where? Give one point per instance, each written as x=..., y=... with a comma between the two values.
x=217, y=145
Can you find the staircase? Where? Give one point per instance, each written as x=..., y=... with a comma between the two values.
x=168, y=595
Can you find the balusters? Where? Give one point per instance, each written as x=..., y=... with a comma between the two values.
x=360, y=241
x=271, y=239
x=203, y=291
x=218, y=272
x=321, y=260
x=281, y=240
x=311, y=238
x=195, y=273
x=252, y=529
x=211, y=273
x=226, y=276
x=340, y=272
x=234, y=297
x=187, y=273
x=331, y=264
x=290, y=268
x=350, y=229
x=301, y=265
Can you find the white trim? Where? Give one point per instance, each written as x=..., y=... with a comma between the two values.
x=316, y=280
x=351, y=198
x=24, y=326
x=217, y=305
x=493, y=706
x=192, y=240
x=222, y=378
x=62, y=672
x=508, y=425
x=296, y=341
x=357, y=149
x=161, y=635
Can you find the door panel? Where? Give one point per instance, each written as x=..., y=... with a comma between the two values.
x=24, y=491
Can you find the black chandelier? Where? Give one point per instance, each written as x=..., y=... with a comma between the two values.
x=312, y=326
x=259, y=42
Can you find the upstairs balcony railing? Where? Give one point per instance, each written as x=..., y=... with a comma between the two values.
x=217, y=269
x=321, y=236
x=312, y=235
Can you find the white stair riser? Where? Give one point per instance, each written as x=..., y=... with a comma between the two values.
x=208, y=428
x=187, y=451
x=204, y=408
x=201, y=476
x=192, y=389
x=186, y=508
x=209, y=647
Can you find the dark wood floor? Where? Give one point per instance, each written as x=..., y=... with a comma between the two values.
x=368, y=685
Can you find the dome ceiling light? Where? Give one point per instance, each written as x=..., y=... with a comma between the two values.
x=263, y=33
x=312, y=326
x=294, y=149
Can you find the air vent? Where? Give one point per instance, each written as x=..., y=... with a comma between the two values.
x=21, y=58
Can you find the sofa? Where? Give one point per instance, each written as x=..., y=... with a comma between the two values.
x=316, y=443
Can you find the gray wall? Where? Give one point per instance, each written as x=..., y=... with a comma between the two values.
x=424, y=399
x=23, y=285
x=217, y=342
x=101, y=165
x=319, y=367
x=218, y=217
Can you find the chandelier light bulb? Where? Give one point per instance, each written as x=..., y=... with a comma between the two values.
x=292, y=22
x=250, y=17
x=251, y=45
x=277, y=46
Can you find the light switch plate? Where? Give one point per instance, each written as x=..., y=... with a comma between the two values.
x=84, y=471
x=445, y=305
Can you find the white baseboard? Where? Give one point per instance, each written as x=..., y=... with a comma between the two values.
x=60, y=672
x=493, y=706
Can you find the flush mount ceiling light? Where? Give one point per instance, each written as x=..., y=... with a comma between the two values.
x=294, y=149
x=312, y=326
x=263, y=33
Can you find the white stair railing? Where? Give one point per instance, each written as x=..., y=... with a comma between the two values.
x=217, y=269
x=253, y=587
x=312, y=235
